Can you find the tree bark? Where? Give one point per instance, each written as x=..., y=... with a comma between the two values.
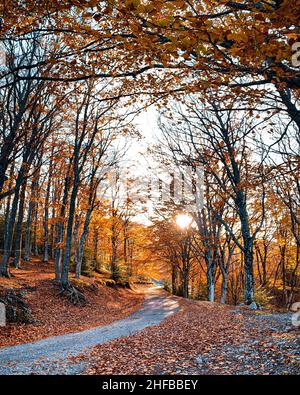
x=8, y=236
x=224, y=287
x=76, y=247
x=292, y=110
x=18, y=230
x=210, y=283
x=82, y=241
x=185, y=285
x=60, y=229
x=46, y=214
x=248, y=247
x=34, y=246
x=27, y=246
x=69, y=235
x=95, y=249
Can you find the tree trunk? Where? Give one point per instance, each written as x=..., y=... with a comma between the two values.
x=27, y=246
x=114, y=265
x=174, y=279
x=28, y=231
x=8, y=236
x=60, y=230
x=76, y=248
x=34, y=246
x=248, y=247
x=82, y=241
x=292, y=110
x=53, y=227
x=249, y=277
x=185, y=288
x=46, y=220
x=8, y=202
x=58, y=250
x=4, y=269
x=18, y=230
x=224, y=287
x=69, y=236
x=95, y=245
x=210, y=283
x=3, y=168
x=114, y=254
x=46, y=210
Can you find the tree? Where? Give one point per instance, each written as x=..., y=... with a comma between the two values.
x=219, y=142
x=244, y=46
x=176, y=247
x=87, y=126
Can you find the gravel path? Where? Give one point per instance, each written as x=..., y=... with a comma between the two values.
x=49, y=356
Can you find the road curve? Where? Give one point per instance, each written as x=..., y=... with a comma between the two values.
x=49, y=356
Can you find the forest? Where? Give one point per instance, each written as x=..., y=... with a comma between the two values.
x=97, y=202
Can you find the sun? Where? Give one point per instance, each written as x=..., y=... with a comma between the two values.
x=183, y=220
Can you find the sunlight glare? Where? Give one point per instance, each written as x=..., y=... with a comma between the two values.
x=183, y=221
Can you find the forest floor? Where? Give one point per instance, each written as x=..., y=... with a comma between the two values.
x=168, y=335
x=203, y=338
x=52, y=355
x=53, y=315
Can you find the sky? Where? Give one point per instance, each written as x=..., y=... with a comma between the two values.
x=144, y=167
x=140, y=162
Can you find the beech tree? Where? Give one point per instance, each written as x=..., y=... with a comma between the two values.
x=244, y=46
x=176, y=247
x=75, y=75
x=87, y=128
x=219, y=141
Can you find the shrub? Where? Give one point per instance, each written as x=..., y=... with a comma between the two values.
x=87, y=266
x=262, y=296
